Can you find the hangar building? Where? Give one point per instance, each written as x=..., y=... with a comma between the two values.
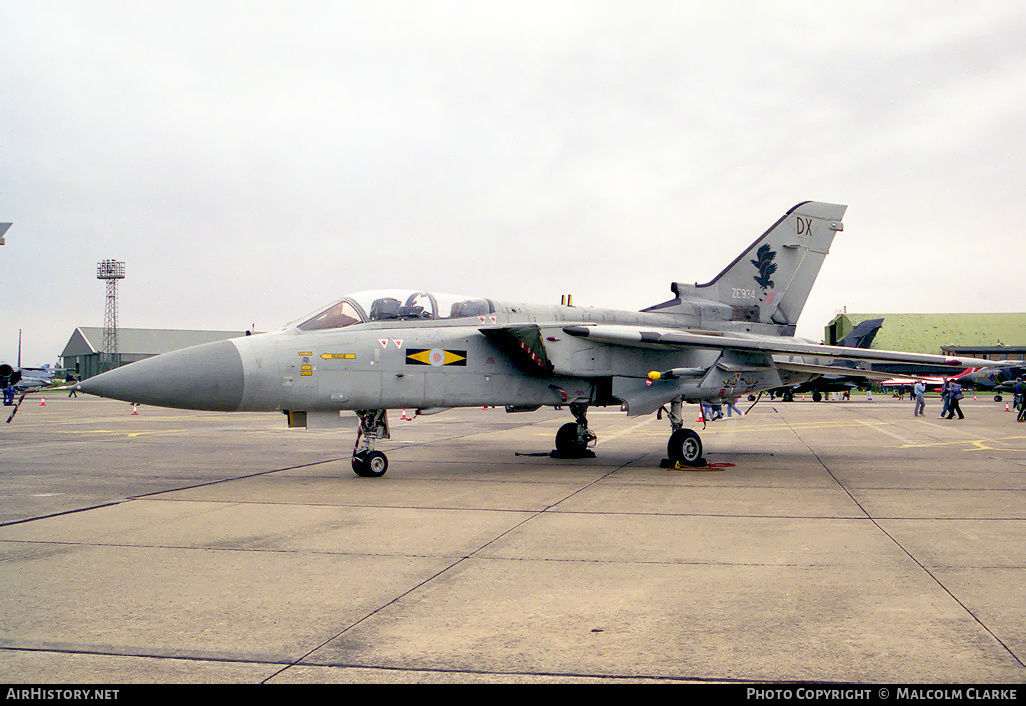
x=81, y=355
x=990, y=336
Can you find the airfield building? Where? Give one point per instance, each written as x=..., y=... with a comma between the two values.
x=990, y=336
x=81, y=355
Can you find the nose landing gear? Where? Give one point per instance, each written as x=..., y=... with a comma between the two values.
x=367, y=462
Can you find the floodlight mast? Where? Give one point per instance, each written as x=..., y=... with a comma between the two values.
x=111, y=271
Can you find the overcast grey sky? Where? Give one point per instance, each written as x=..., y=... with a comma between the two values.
x=250, y=160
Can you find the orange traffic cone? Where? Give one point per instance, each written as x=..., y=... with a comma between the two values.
x=42, y=401
x=135, y=409
x=405, y=418
x=1006, y=407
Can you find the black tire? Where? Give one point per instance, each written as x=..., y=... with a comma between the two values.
x=997, y=398
x=370, y=465
x=567, y=441
x=817, y=396
x=685, y=446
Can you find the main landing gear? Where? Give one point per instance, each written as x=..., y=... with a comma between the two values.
x=373, y=426
x=574, y=438
x=683, y=449
x=685, y=445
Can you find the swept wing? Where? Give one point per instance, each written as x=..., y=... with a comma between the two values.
x=643, y=337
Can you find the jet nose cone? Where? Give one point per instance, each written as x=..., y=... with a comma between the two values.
x=208, y=377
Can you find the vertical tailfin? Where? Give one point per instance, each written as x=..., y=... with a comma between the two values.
x=767, y=286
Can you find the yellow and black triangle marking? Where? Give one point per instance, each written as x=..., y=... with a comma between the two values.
x=436, y=357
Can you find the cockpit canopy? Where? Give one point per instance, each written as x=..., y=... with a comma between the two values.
x=395, y=305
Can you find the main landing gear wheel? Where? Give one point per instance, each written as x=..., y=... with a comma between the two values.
x=570, y=444
x=685, y=447
x=372, y=464
x=568, y=441
x=573, y=438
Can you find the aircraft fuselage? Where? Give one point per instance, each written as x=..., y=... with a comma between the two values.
x=422, y=364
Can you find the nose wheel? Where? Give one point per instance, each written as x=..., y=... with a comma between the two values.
x=367, y=462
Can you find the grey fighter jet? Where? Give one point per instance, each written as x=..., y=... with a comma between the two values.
x=996, y=378
x=380, y=350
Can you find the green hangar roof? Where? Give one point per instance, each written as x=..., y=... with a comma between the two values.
x=932, y=333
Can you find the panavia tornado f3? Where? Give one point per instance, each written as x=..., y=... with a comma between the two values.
x=380, y=350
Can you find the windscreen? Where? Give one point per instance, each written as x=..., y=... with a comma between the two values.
x=337, y=315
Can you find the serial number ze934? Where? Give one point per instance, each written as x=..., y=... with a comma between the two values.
x=746, y=294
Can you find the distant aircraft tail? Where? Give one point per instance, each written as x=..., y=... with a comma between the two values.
x=765, y=289
x=862, y=335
